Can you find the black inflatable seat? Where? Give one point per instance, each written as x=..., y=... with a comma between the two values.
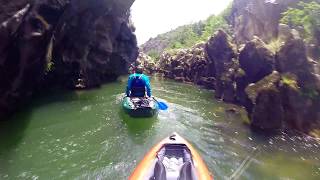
x=187, y=172
x=159, y=172
x=174, y=163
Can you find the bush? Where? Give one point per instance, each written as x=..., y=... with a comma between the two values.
x=189, y=35
x=275, y=45
x=306, y=15
x=154, y=54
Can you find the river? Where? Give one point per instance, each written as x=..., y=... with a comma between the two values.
x=85, y=135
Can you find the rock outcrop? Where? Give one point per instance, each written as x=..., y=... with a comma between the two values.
x=256, y=61
x=290, y=98
x=65, y=43
x=278, y=89
x=146, y=62
x=222, y=55
x=187, y=65
x=267, y=112
x=258, y=18
x=300, y=86
x=292, y=58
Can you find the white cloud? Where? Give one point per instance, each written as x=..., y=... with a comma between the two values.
x=153, y=17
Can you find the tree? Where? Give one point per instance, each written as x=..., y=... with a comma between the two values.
x=306, y=15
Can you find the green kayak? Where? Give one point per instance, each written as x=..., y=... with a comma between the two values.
x=140, y=106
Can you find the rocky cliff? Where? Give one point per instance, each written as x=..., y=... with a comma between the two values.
x=68, y=43
x=265, y=66
x=260, y=18
x=279, y=89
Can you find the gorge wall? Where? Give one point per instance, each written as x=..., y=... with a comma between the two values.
x=279, y=90
x=260, y=18
x=65, y=43
x=279, y=87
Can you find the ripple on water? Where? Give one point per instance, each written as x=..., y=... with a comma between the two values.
x=98, y=143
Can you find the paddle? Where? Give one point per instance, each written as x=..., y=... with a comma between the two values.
x=162, y=106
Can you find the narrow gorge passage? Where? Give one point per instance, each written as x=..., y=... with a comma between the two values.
x=241, y=79
x=85, y=135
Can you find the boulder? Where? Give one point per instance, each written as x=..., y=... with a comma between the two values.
x=207, y=82
x=267, y=110
x=260, y=18
x=256, y=60
x=222, y=55
x=269, y=82
x=292, y=58
x=284, y=32
x=188, y=65
x=146, y=62
x=301, y=106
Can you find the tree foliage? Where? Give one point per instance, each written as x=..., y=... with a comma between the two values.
x=188, y=35
x=153, y=54
x=307, y=16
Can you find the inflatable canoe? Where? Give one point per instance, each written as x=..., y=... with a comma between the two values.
x=140, y=106
x=172, y=159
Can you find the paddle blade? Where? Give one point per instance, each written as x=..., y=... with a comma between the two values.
x=162, y=106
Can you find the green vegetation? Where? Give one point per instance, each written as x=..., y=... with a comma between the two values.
x=189, y=35
x=153, y=54
x=275, y=45
x=290, y=80
x=49, y=58
x=306, y=16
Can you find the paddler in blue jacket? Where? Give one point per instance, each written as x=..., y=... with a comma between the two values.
x=138, y=84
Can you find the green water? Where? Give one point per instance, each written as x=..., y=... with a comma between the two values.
x=85, y=135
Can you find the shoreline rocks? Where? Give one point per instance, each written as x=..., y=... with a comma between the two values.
x=279, y=90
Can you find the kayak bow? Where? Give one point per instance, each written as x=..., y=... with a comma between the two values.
x=172, y=159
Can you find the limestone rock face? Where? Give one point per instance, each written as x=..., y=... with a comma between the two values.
x=222, y=54
x=301, y=108
x=64, y=43
x=279, y=90
x=292, y=97
x=146, y=62
x=292, y=58
x=187, y=65
x=267, y=112
x=256, y=60
x=300, y=86
x=257, y=18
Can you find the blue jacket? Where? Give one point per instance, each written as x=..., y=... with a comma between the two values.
x=137, y=85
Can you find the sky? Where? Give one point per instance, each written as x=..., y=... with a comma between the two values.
x=153, y=17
